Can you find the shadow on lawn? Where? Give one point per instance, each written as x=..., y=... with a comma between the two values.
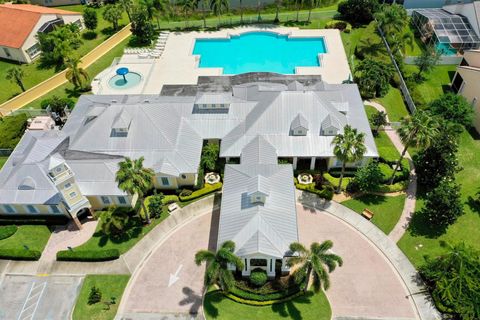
x=133, y=230
x=372, y=199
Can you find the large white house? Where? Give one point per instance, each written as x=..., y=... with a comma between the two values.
x=66, y=172
x=20, y=24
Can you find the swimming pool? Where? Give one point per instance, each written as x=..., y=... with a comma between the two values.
x=259, y=52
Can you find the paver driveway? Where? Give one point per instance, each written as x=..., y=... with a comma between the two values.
x=366, y=285
x=169, y=281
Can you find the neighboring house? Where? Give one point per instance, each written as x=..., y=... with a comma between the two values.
x=299, y=116
x=20, y=24
x=467, y=82
x=57, y=3
x=258, y=210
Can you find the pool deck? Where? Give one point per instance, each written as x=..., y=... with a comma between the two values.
x=177, y=64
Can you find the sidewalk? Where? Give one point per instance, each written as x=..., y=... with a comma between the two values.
x=409, y=206
x=59, y=79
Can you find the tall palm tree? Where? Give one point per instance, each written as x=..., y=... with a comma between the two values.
x=217, y=265
x=187, y=6
x=312, y=4
x=241, y=12
x=127, y=6
x=204, y=17
x=418, y=130
x=298, y=4
x=15, y=74
x=150, y=10
x=348, y=147
x=75, y=74
x=393, y=20
x=133, y=178
x=277, y=9
x=317, y=260
x=217, y=6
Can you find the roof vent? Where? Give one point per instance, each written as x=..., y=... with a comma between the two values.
x=27, y=184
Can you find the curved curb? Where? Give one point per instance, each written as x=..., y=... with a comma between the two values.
x=421, y=300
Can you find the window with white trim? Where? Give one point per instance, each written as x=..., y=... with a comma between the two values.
x=105, y=200
x=121, y=200
x=34, y=50
x=54, y=209
x=165, y=181
x=67, y=185
x=72, y=194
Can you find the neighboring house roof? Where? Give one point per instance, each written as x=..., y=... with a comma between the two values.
x=17, y=22
x=258, y=228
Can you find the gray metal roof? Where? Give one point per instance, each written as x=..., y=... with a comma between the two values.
x=267, y=228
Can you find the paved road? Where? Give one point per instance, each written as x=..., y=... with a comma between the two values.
x=34, y=297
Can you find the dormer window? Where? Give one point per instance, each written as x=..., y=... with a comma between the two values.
x=121, y=124
x=299, y=126
x=258, y=190
x=258, y=198
x=330, y=126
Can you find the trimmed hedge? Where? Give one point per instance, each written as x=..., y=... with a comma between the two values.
x=169, y=199
x=209, y=188
x=396, y=187
x=334, y=181
x=324, y=193
x=7, y=231
x=88, y=255
x=233, y=296
x=340, y=25
x=258, y=277
x=20, y=254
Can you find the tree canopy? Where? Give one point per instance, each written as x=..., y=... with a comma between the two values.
x=373, y=77
x=59, y=44
x=90, y=18
x=358, y=11
x=454, y=280
x=453, y=108
x=113, y=13
x=142, y=28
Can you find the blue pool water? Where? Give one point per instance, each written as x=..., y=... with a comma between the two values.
x=446, y=50
x=118, y=82
x=259, y=51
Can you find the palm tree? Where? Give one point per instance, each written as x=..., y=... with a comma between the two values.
x=392, y=19
x=15, y=75
x=133, y=178
x=217, y=7
x=217, y=265
x=277, y=9
x=150, y=9
x=75, y=74
x=127, y=5
x=298, y=4
x=204, y=7
x=314, y=260
x=348, y=147
x=209, y=157
x=241, y=12
x=187, y=6
x=419, y=130
x=312, y=4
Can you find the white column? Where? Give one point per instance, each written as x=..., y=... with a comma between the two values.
x=285, y=267
x=294, y=163
x=227, y=159
x=246, y=267
x=271, y=268
x=312, y=163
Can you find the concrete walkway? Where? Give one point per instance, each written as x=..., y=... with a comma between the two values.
x=59, y=79
x=409, y=206
x=424, y=308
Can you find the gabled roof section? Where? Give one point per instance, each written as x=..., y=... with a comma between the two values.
x=258, y=184
x=259, y=151
x=331, y=122
x=299, y=122
x=17, y=22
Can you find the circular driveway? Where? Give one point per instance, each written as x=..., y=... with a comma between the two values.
x=366, y=286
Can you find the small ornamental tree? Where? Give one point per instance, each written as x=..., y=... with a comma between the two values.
x=90, y=18
x=427, y=60
x=453, y=108
x=439, y=160
x=95, y=295
x=210, y=153
x=358, y=11
x=112, y=14
x=378, y=119
x=369, y=177
x=155, y=205
x=115, y=221
x=16, y=75
x=443, y=205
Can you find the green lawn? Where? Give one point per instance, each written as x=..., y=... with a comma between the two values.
x=2, y=161
x=308, y=307
x=94, y=69
x=416, y=242
x=387, y=209
x=393, y=103
x=135, y=233
x=436, y=83
x=110, y=286
x=417, y=46
x=35, y=237
x=34, y=74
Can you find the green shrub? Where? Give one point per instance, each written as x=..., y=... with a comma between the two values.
x=243, y=297
x=336, y=172
x=208, y=188
x=95, y=296
x=340, y=25
x=88, y=255
x=11, y=130
x=7, y=231
x=396, y=187
x=20, y=254
x=334, y=181
x=325, y=193
x=154, y=205
x=258, y=277
x=200, y=179
x=169, y=199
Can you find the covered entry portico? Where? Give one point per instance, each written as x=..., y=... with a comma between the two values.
x=268, y=263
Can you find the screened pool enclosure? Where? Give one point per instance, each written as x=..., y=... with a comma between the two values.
x=448, y=32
